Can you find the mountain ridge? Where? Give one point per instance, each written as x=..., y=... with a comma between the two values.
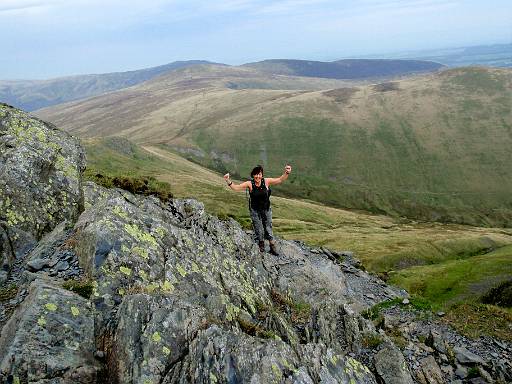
x=346, y=68
x=399, y=147
x=35, y=94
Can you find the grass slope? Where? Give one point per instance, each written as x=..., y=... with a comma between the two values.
x=435, y=147
x=461, y=278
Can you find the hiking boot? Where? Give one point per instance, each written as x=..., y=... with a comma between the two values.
x=273, y=249
x=261, y=244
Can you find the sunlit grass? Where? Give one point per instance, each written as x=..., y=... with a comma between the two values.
x=455, y=281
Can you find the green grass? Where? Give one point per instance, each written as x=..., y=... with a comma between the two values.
x=436, y=252
x=419, y=303
x=456, y=281
x=385, y=168
x=475, y=320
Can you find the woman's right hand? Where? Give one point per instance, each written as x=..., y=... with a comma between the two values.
x=226, y=176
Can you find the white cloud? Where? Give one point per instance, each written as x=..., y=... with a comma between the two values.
x=19, y=6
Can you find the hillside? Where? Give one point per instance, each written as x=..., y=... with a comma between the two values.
x=104, y=286
x=345, y=69
x=34, y=94
x=496, y=55
x=434, y=147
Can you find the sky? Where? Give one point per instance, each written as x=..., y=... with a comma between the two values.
x=52, y=38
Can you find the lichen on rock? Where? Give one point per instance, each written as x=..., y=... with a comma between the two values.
x=40, y=184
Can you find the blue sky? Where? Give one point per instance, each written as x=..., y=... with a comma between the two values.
x=44, y=39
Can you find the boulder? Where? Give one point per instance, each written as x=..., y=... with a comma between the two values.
x=40, y=181
x=464, y=356
x=391, y=366
x=50, y=336
x=436, y=341
x=431, y=371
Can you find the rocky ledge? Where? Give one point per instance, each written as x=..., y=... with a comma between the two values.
x=170, y=294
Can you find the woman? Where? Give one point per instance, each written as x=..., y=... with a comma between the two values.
x=261, y=212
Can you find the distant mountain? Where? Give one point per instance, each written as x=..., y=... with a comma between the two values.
x=345, y=69
x=497, y=55
x=434, y=147
x=34, y=94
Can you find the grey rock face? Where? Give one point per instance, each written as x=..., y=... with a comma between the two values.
x=50, y=334
x=464, y=356
x=391, y=366
x=40, y=181
x=431, y=371
x=37, y=264
x=174, y=278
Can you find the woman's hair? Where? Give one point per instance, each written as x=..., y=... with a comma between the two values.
x=257, y=169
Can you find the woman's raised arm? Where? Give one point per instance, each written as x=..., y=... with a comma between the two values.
x=236, y=187
x=283, y=177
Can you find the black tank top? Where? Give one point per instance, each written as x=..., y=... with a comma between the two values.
x=260, y=196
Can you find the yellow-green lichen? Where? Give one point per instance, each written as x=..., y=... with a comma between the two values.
x=127, y=271
x=95, y=292
x=358, y=366
x=41, y=321
x=195, y=268
x=15, y=380
x=156, y=337
x=51, y=307
x=167, y=286
x=65, y=167
x=161, y=231
x=13, y=217
x=286, y=364
x=75, y=311
x=139, y=235
x=213, y=378
x=106, y=270
x=232, y=311
x=166, y=351
x=120, y=212
x=181, y=270
x=277, y=372
x=142, y=252
x=143, y=274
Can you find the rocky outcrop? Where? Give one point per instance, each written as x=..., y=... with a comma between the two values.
x=50, y=336
x=176, y=295
x=40, y=182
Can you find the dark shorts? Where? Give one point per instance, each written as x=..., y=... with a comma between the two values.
x=262, y=224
